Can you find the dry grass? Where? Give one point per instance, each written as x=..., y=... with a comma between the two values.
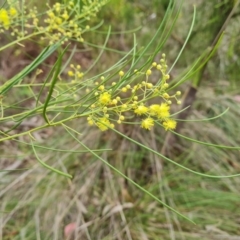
x=38, y=204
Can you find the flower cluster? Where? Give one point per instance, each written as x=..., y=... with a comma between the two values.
x=120, y=101
x=61, y=22
x=75, y=72
x=7, y=17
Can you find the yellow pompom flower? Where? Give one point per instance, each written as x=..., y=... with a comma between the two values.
x=160, y=111
x=90, y=121
x=121, y=73
x=105, y=98
x=148, y=72
x=12, y=11
x=70, y=73
x=104, y=124
x=147, y=123
x=169, y=124
x=65, y=15
x=4, y=18
x=101, y=88
x=124, y=89
x=154, y=109
x=140, y=110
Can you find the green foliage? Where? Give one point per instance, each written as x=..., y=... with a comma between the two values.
x=73, y=103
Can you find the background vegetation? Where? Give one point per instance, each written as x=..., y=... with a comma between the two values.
x=98, y=203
